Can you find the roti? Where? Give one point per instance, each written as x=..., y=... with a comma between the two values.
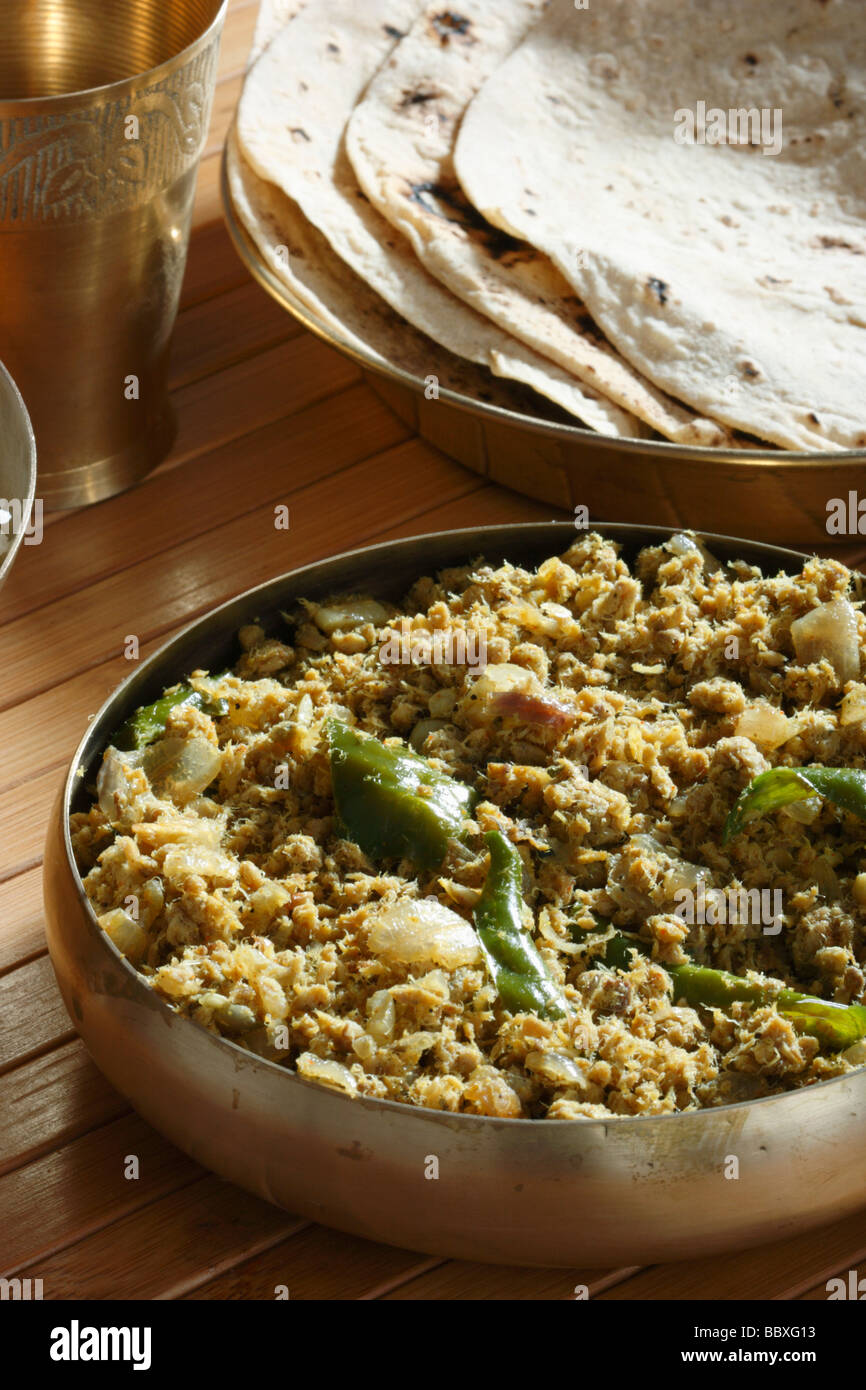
x=273, y=16
x=301, y=258
x=296, y=103
x=401, y=141
x=723, y=255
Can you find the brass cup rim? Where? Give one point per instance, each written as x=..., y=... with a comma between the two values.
x=148, y=75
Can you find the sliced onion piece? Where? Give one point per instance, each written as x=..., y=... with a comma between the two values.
x=305, y=711
x=556, y=1067
x=764, y=724
x=337, y=617
x=853, y=708
x=534, y=709
x=680, y=873
x=327, y=1073
x=186, y=861
x=423, y=933
x=112, y=781
x=506, y=690
x=181, y=768
x=505, y=675
x=381, y=1015
x=681, y=544
x=129, y=936
x=550, y=620
x=829, y=632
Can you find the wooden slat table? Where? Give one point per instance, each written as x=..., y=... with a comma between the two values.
x=267, y=415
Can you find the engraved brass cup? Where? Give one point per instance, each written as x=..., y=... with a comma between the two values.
x=104, y=109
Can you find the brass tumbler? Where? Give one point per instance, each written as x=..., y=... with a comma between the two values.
x=104, y=109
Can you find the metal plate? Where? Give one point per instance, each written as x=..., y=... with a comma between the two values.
x=17, y=468
x=537, y=1192
x=767, y=494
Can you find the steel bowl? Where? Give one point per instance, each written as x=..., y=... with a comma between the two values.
x=17, y=471
x=536, y=1192
x=773, y=495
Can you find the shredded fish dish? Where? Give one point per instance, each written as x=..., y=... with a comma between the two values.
x=578, y=840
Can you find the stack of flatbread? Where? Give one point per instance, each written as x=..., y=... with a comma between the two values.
x=647, y=214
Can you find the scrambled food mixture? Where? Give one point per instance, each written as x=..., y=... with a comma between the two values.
x=588, y=878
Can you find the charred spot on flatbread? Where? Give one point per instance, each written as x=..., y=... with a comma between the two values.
x=588, y=326
x=837, y=243
x=750, y=371
x=447, y=26
x=418, y=96
x=448, y=202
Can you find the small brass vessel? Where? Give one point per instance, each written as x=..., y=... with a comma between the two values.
x=104, y=110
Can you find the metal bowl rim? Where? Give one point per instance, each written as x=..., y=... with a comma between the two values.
x=60, y=100
x=24, y=419
x=144, y=992
x=661, y=449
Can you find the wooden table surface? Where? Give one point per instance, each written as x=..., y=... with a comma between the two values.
x=267, y=415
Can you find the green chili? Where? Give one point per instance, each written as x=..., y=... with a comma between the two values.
x=147, y=724
x=843, y=786
x=836, y=1026
x=394, y=803
x=513, y=960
